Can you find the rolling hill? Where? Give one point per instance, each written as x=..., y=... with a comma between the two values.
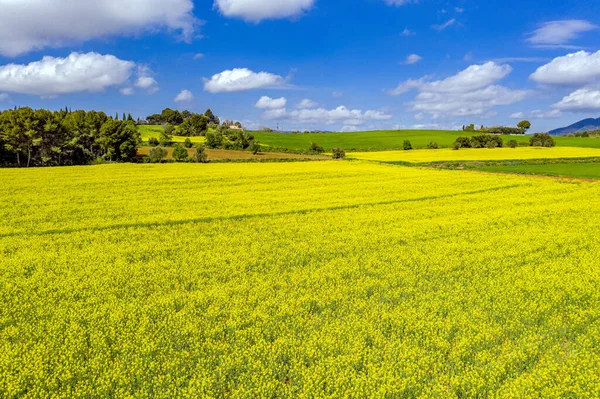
x=585, y=125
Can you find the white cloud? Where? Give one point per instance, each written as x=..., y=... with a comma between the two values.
x=519, y=59
x=259, y=10
x=37, y=24
x=242, y=79
x=473, y=78
x=577, y=69
x=445, y=25
x=307, y=104
x=185, y=96
x=470, y=92
x=557, y=34
x=353, y=117
x=407, y=32
x=127, y=91
x=537, y=114
x=337, y=94
x=51, y=76
x=582, y=100
x=413, y=59
x=198, y=56
x=271, y=103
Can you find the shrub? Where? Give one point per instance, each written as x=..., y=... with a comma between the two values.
x=200, y=155
x=255, y=147
x=456, y=146
x=433, y=146
x=188, y=143
x=157, y=154
x=153, y=142
x=491, y=144
x=314, y=147
x=542, y=140
x=407, y=145
x=513, y=144
x=483, y=140
x=338, y=153
x=463, y=142
x=180, y=154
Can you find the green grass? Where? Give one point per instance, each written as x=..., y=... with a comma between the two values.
x=386, y=140
x=579, y=170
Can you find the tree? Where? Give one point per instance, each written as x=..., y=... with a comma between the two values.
x=157, y=154
x=180, y=154
x=214, y=140
x=338, y=153
x=195, y=125
x=542, y=140
x=524, y=126
x=407, y=145
x=255, y=147
x=433, y=146
x=211, y=117
x=314, y=147
x=513, y=144
x=200, y=155
x=188, y=143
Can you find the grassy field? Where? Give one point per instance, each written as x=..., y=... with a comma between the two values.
x=148, y=131
x=476, y=154
x=386, y=140
x=318, y=279
x=579, y=170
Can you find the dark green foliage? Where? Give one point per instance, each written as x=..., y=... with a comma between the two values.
x=524, y=126
x=407, y=146
x=456, y=146
x=315, y=148
x=469, y=128
x=153, y=142
x=188, y=143
x=214, y=140
x=180, y=154
x=157, y=154
x=211, y=117
x=338, y=153
x=480, y=141
x=166, y=137
x=237, y=140
x=195, y=125
x=542, y=140
x=433, y=146
x=513, y=144
x=200, y=155
x=504, y=130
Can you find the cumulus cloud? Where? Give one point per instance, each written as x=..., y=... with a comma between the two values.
x=557, y=34
x=473, y=78
x=413, y=59
x=271, y=103
x=127, y=91
x=397, y=2
x=198, y=56
x=307, y=104
x=185, y=96
x=349, y=117
x=470, y=92
x=577, y=69
x=582, y=100
x=259, y=10
x=37, y=24
x=537, y=114
x=242, y=79
x=445, y=25
x=51, y=76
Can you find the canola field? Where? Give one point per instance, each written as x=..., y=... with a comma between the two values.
x=310, y=280
x=477, y=154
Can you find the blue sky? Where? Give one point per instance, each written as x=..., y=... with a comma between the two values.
x=308, y=64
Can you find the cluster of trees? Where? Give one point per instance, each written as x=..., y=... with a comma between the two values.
x=522, y=128
x=180, y=154
x=175, y=117
x=542, y=140
x=226, y=139
x=44, y=138
x=481, y=141
x=593, y=133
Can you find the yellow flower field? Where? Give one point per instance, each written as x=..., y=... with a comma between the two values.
x=310, y=280
x=477, y=154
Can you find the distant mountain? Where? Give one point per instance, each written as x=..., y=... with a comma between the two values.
x=585, y=125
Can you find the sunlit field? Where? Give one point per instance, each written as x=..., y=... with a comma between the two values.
x=477, y=154
x=319, y=279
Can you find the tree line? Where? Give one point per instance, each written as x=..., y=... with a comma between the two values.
x=522, y=128
x=45, y=138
